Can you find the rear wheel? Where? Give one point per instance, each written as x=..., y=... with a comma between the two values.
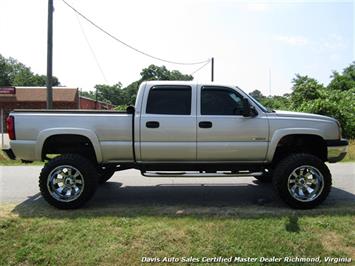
x=303, y=181
x=68, y=181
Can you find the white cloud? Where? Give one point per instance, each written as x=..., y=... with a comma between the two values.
x=257, y=7
x=292, y=40
x=333, y=42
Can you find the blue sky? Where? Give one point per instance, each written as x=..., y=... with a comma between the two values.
x=247, y=39
x=306, y=38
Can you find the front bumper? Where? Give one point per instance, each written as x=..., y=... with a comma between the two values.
x=337, y=150
x=9, y=153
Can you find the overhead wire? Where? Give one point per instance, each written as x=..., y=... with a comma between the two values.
x=130, y=46
x=200, y=67
x=91, y=49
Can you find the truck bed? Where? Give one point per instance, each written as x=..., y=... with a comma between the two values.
x=110, y=131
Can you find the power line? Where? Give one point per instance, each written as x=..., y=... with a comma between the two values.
x=91, y=49
x=130, y=46
x=201, y=67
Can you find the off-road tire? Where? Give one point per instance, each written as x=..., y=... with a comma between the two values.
x=284, y=169
x=89, y=174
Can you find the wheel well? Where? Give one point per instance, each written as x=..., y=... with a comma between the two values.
x=68, y=143
x=311, y=144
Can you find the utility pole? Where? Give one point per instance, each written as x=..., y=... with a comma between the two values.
x=50, y=55
x=212, y=69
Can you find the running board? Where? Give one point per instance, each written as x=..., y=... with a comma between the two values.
x=199, y=174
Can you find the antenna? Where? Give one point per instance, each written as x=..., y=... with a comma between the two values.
x=269, y=81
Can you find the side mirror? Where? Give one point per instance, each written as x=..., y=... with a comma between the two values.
x=248, y=110
x=130, y=109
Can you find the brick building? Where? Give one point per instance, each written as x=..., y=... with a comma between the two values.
x=36, y=98
x=87, y=103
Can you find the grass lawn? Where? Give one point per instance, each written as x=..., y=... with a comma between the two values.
x=6, y=161
x=124, y=234
x=350, y=156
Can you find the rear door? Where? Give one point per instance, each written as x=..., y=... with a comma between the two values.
x=223, y=133
x=168, y=124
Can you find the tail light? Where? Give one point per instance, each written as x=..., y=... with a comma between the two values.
x=10, y=124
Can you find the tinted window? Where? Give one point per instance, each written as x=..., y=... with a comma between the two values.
x=169, y=100
x=220, y=101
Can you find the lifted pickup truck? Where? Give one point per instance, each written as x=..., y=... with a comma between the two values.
x=179, y=129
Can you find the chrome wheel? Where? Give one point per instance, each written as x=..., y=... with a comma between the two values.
x=65, y=183
x=305, y=183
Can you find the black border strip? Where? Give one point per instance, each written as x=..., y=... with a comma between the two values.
x=337, y=142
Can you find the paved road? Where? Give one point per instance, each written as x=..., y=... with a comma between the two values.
x=20, y=184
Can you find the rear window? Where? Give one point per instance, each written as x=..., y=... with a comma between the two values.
x=169, y=100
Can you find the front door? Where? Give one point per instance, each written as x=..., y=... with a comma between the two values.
x=223, y=133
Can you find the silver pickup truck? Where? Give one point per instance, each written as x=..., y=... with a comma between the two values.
x=179, y=129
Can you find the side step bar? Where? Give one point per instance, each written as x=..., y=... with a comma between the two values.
x=199, y=174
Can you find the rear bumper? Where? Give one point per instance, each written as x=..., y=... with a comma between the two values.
x=337, y=150
x=9, y=153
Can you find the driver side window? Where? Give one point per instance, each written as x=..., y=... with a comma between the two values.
x=220, y=101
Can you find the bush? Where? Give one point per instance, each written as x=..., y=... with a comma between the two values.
x=337, y=104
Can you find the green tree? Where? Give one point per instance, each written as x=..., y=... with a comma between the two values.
x=88, y=94
x=14, y=73
x=152, y=72
x=344, y=81
x=122, y=97
x=336, y=100
x=338, y=104
x=112, y=94
x=130, y=92
x=272, y=102
x=5, y=79
x=277, y=102
x=304, y=89
x=257, y=95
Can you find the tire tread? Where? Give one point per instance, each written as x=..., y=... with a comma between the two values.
x=292, y=161
x=84, y=165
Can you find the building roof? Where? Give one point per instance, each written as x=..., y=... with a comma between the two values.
x=39, y=94
x=92, y=100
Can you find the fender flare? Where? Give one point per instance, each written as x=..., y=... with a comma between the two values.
x=45, y=134
x=280, y=133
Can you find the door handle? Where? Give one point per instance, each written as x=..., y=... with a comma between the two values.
x=152, y=124
x=205, y=124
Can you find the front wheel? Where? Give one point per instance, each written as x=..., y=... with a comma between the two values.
x=68, y=181
x=303, y=181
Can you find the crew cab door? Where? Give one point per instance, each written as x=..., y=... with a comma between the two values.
x=223, y=133
x=168, y=123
